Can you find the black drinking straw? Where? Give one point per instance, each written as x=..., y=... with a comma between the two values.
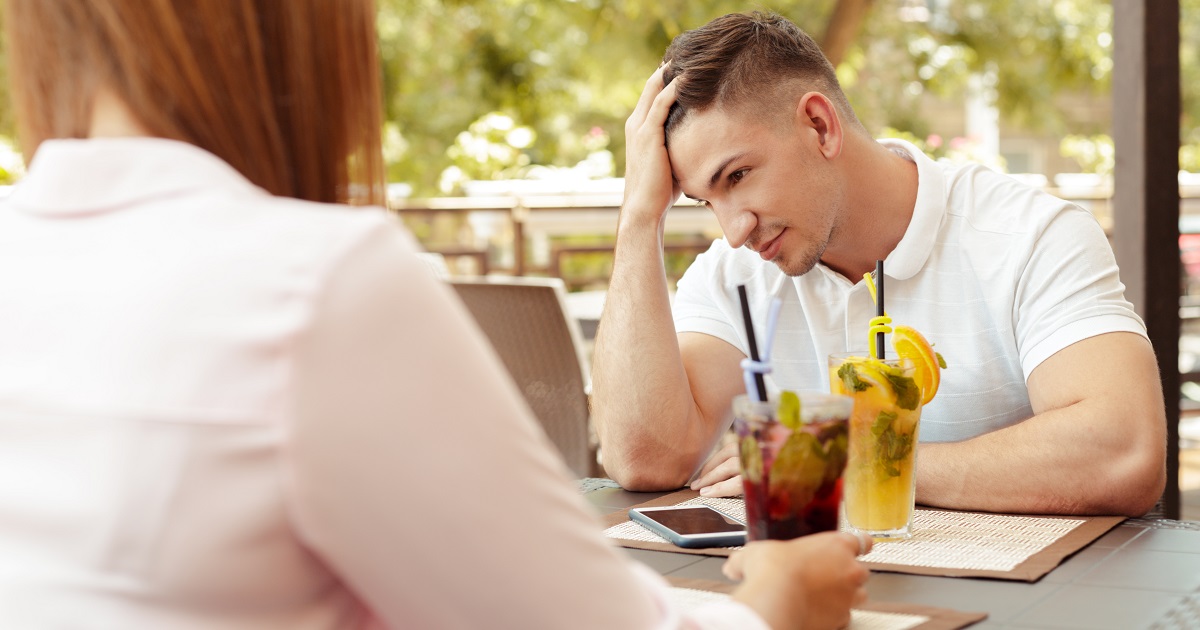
x=758, y=377
x=879, y=306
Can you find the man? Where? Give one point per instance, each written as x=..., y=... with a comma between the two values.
x=1051, y=403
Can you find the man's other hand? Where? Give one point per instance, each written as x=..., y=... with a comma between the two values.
x=720, y=475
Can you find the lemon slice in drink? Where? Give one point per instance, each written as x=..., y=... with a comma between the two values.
x=864, y=378
x=913, y=346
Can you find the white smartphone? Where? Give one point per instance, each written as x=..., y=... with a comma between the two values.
x=691, y=526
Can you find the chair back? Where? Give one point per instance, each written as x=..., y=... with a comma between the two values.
x=527, y=322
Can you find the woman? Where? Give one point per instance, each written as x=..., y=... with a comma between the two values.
x=226, y=403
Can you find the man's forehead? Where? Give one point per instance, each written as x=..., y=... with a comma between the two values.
x=705, y=139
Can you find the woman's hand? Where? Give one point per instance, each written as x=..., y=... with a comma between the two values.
x=808, y=583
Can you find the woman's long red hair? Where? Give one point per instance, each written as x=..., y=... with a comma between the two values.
x=286, y=91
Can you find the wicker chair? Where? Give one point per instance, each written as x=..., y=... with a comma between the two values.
x=527, y=323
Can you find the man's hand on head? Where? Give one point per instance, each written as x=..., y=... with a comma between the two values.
x=650, y=188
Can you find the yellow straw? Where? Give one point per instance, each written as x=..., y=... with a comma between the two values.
x=877, y=324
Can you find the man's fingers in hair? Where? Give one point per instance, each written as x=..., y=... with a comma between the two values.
x=661, y=106
x=654, y=85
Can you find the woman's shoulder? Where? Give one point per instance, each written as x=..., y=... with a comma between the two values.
x=296, y=228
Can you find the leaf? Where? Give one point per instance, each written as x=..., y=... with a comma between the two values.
x=789, y=410
x=799, y=468
x=890, y=446
x=850, y=379
x=836, y=450
x=908, y=395
x=883, y=423
x=752, y=461
x=941, y=360
x=891, y=469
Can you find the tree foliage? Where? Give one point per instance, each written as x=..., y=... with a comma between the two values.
x=560, y=67
x=571, y=70
x=565, y=67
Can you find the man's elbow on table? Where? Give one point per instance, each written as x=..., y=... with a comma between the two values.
x=1137, y=466
x=648, y=469
x=1133, y=482
x=1106, y=402
x=1127, y=476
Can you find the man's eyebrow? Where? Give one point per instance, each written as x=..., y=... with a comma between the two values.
x=712, y=181
x=675, y=181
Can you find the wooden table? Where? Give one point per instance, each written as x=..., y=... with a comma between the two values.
x=1145, y=573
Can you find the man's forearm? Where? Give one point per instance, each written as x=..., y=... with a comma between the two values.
x=641, y=402
x=1058, y=462
x=1096, y=444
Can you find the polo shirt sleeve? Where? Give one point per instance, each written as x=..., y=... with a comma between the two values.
x=1069, y=289
x=700, y=304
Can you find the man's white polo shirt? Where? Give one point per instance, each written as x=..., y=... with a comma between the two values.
x=997, y=275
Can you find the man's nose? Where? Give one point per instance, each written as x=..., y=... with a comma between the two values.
x=737, y=223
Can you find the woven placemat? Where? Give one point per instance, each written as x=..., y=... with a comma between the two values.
x=944, y=542
x=689, y=593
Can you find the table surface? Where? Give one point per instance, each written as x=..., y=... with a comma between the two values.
x=1145, y=573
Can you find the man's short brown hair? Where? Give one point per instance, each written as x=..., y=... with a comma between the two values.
x=748, y=62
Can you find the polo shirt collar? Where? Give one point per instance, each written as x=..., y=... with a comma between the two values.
x=918, y=241
x=72, y=176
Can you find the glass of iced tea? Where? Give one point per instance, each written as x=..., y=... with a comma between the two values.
x=793, y=449
x=880, y=481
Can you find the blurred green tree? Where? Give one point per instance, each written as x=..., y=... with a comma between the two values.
x=564, y=67
x=571, y=70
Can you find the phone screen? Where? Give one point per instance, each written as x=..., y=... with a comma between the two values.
x=694, y=520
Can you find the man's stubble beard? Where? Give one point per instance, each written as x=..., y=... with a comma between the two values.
x=811, y=258
x=808, y=259
x=802, y=266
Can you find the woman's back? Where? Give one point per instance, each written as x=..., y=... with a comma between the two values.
x=224, y=409
x=150, y=299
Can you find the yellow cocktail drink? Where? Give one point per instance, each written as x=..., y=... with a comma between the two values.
x=879, y=480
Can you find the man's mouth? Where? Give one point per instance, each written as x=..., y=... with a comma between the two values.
x=770, y=249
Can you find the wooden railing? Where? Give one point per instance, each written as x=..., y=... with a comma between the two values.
x=527, y=234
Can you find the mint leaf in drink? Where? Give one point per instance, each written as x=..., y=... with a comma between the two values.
x=789, y=410
x=850, y=378
x=908, y=395
x=883, y=423
x=900, y=447
x=892, y=447
x=799, y=468
x=837, y=450
x=752, y=462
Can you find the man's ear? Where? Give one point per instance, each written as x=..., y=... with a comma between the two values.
x=816, y=112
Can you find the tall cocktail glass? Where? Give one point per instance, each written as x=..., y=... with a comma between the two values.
x=880, y=474
x=793, y=452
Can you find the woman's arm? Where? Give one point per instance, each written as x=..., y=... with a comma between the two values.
x=421, y=477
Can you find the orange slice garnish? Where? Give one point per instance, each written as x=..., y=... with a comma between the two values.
x=912, y=345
